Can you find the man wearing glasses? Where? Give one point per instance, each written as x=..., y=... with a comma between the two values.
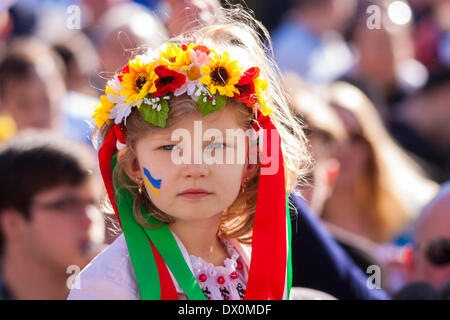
x=47, y=215
x=430, y=258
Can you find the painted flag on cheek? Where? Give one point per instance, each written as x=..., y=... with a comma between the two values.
x=153, y=184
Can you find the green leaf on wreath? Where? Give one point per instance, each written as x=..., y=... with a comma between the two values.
x=206, y=106
x=153, y=116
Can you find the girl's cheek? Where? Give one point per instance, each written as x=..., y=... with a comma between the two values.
x=231, y=174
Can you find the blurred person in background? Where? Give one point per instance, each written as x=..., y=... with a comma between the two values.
x=31, y=87
x=116, y=29
x=23, y=16
x=432, y=33
x=94, y=9
x=82, y=66
x=183, y=15
x=324, y=130
x=318, y=261
x=428, y=259
x=421, y=125
x=385, y=67
x=411, y=98
x=379, y=187
x=6, y=22
x=308, y=41
x=84, y=71
x=48, y=219
x=273, y=12
x=119, y=32
x=80, y=60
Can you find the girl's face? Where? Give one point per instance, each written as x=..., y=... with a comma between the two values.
x=192, y=192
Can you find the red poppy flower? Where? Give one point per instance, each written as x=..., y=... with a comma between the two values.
x=168, y=81
x=125, y=69
x=202, y=49
x=263, y=122
x=246, y=87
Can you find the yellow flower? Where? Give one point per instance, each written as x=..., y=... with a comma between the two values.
x=173, y=57
x=102, y=110
x=7, y=127
x=221, y=75
x=260, y=88
x=139, y=81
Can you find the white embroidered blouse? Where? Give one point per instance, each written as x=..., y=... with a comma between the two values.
x=227, y=282
x=111, y=276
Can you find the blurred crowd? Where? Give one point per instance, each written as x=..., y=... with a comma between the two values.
x=369, y=79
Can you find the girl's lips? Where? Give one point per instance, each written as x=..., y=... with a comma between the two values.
x=195, y=193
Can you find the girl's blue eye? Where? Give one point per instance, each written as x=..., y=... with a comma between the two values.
x=168, y=147
x=217, y=145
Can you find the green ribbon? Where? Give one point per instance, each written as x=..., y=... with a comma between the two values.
x=139, y=247
x=141, y=253
x=167, y=246
x=289, y=257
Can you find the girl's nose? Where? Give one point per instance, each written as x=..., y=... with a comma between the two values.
x=195, y=170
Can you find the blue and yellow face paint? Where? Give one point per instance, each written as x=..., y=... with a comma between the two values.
x=153, y=184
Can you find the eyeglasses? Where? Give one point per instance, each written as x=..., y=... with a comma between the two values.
x=69, y=205
x=437, y=251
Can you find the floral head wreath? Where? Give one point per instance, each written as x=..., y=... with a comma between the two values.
x=209, y=78
x=146, y=83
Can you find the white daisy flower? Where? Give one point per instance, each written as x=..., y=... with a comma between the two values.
x=122, y=109
x=115, y=85
x=149, y=56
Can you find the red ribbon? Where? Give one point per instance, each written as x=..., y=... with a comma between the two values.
x=105, y=155
x=269, y=243
x=168, y=291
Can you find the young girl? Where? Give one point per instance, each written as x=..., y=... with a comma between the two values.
x=203, y=227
